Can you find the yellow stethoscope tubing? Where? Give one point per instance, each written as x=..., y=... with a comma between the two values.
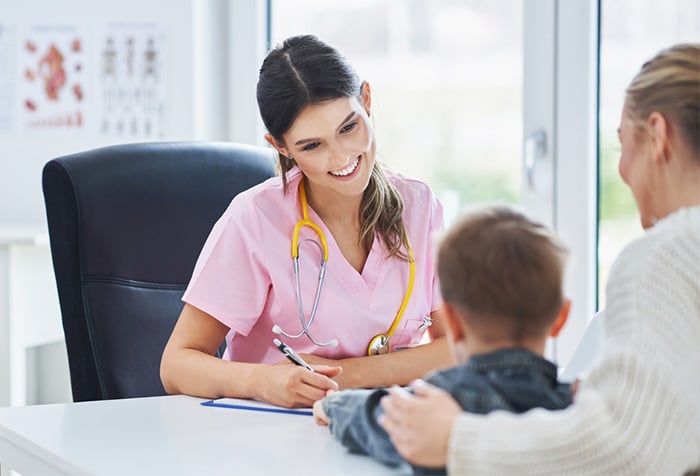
x=383, y=341
x=407, y=296
x=305, y=221
x=321, y=236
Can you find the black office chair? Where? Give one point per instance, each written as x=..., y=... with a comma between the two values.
x=126, y=224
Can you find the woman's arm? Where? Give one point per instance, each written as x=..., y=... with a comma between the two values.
x=395, y=368
x=189, y=366
x=646, y=432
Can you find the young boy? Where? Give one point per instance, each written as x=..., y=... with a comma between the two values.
x=501, y=280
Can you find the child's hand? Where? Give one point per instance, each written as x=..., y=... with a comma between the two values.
x=319, y=414
x=575, y=387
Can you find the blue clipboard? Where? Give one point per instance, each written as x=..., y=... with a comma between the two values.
x=240, y=404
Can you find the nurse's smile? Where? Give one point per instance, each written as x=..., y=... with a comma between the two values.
x=347, y=172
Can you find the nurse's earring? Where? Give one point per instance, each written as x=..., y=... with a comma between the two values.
x=287, y=161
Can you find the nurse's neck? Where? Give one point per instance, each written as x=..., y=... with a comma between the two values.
x=335, y=209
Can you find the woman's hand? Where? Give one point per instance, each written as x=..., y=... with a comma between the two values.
x=419, y=425
x=289, y=385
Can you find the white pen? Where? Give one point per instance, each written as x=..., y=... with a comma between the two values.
x=291, y=354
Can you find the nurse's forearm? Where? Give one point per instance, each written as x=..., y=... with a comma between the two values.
x=193, y=372
x=399, y=367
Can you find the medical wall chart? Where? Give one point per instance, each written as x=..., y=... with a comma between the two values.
x=131, y=80
x=107, y=79
x=51, y=65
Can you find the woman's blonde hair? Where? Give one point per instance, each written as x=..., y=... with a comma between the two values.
x=669, y=83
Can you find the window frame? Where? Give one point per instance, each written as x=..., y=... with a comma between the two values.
x=561, y=70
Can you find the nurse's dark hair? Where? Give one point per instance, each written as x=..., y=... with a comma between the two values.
x=303, y=71
x=669, y=83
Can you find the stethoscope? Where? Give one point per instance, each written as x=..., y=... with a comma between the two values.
x=380, y=344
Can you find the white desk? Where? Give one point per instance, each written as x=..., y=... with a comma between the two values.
x=170, y=435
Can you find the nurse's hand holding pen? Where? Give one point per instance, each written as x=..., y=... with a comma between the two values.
x=318, y=362
x=296, y=386
x=302, y=385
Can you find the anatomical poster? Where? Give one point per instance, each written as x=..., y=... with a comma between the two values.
x=52, y=65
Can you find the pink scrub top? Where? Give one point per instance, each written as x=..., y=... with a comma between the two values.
x=244, y=276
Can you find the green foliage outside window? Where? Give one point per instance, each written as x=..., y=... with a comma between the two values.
x=616, y=199
x=484, y=187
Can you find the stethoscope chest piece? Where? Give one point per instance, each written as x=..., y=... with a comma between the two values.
x=379, y=345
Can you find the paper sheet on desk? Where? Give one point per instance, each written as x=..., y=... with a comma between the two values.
x=254, y=405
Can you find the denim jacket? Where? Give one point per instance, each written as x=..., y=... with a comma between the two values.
x=515, y=380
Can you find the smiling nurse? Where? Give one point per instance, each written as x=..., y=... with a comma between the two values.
x=363, y=291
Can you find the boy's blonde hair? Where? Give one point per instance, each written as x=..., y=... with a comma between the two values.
x=503, y=273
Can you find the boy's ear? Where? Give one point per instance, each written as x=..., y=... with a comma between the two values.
x=457, y=333
x=454, y=326
x=561, y=318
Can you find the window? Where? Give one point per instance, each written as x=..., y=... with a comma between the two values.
x=447, y=86
x=632, y=31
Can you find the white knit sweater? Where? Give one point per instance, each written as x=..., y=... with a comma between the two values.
x=638, y=412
